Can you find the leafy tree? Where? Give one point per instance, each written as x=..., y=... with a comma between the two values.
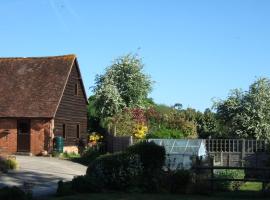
x=207, y=124
x=123, y=85
x=247, y=114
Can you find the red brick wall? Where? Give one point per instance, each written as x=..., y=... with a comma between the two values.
x=39, y=140
x=40, y=135
x=8, y=135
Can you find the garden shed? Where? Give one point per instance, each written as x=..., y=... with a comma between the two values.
x=179, y=152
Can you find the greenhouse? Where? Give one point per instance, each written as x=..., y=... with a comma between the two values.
x=179, y=152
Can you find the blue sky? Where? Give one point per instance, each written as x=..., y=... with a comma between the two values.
x=193, y=50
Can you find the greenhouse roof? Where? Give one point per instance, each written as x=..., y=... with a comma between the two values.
x=180, y=146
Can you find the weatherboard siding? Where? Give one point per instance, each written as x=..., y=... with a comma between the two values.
x=72, y=110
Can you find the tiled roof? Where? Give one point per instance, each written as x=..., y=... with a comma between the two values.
x=32, y=87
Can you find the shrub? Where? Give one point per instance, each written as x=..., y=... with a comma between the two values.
x=13, y=193
x=55, y=154
x=152, y=156
x=71, y=155
x=7, y=163
x=179, y=181
x=64, y=189
x=166, y=133
x=116, y=171
x=229, y=185
x=88, y=156
x=12, y=163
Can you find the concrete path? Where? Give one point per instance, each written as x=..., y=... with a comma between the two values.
x=43, y=173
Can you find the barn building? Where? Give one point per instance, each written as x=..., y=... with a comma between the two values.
x=40, y=98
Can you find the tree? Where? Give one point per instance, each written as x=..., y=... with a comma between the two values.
x=247, y=114
x=207, y=124
x=124, y=85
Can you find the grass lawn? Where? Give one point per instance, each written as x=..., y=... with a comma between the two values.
x=131, y=196
x=251, y=186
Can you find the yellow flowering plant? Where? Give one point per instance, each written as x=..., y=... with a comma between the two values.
x=139, y=131
x=95, y=137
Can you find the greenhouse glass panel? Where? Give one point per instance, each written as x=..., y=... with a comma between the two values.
x=179, y=152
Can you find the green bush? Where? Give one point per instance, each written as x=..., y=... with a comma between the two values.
x=88, y=156
x=64, y=189
x=12, y=163
x=13, y=193
x=152, y=156
x=230, y=174
x=179, y=181
x=166, y=133
x=71, y=155
x=7, y=163
x=115, y=171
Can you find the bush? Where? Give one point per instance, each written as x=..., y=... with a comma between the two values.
x=7, y=163
x=64, y=189
x=88, y=156
x=12, y=163
x=13, y=193
x=166, y=133
x=179, y=181
x=117, y=171
x=229, y=185
x=152, y=156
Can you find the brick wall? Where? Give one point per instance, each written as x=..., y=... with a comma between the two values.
x=40, y=135
x=8, y=135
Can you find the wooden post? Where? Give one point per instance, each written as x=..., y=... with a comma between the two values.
x=228, y=162
x=212, y=175
x=243, y=152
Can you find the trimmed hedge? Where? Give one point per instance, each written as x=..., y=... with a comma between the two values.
x=117, y=171
x=152, y=156
x=138, y=168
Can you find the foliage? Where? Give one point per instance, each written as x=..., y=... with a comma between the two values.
x=95, y=137
x=123, y=123
x=131, y=122
x=115, y=171
x=14, y=193
x=123, y=85
x=7, y=163
x=179, y=181
x=246, y=114
x=71, y=155
x=64, y=189
x=88, y=156
x=230, y=174
x=139, y=131
x=165, y=133
x=207, y=124
x=151, y=155
x=164, y=120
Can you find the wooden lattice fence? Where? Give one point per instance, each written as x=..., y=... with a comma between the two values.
x=238, y=152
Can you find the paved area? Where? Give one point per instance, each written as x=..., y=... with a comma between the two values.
x=43, y=173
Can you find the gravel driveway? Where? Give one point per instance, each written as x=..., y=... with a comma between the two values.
x=42, y=173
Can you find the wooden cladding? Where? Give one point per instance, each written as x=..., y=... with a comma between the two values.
x=76, y=89
x=64, y=130
x=78, y=130
x=72, y=110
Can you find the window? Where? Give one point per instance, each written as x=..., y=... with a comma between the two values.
x=24, y=126
x=64, y=130
x=76, y=89
x=78, y=130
